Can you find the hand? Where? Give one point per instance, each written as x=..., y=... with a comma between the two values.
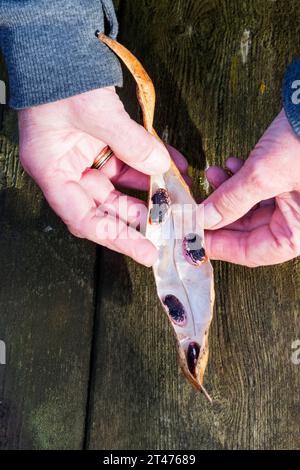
x=254, y=215
x=58, y=144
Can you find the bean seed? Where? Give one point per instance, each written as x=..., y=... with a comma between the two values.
x=175, y=309
x=192, y=356
x=160, y=206
x=193, y=250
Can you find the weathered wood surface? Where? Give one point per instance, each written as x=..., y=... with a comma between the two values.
x=217, y=67
x=46, y=314
x=111, y=381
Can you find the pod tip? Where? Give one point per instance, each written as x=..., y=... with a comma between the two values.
x=206, y=394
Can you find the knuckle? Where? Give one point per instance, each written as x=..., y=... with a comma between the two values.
x=256, y=173
x=229, y=201
x=75, y=231
x=290, y=244
x=118, y=116
x=147, y=147
x=286, y=238
x=49, y=180
x=24, y=156
x=251, y=264
x=249, y=259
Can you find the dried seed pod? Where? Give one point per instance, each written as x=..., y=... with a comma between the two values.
x=194, y=287
x=175, y=309
x=192, y=356
x=193, y=249
x=160, y=206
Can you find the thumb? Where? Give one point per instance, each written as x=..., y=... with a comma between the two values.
x=132, y=144
x=100, y=113
x=236, y=196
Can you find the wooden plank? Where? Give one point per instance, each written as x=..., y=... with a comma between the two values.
x=46, y=314
x=217, y=67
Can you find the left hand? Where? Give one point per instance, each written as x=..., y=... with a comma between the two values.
x=58, y=144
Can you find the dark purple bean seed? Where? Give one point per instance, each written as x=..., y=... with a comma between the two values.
x=193, y=250
x=161, y=196
x=192, y=356
x=175, y=309
x=160, y=206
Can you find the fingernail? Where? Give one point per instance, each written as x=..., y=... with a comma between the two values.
x=211, y=216
x=158, y=161
x=150, y=260
x=145, y=253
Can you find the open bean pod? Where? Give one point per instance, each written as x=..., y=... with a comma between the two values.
x=183, y=273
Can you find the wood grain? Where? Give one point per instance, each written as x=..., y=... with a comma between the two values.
x=217, y=67
x=46, y=314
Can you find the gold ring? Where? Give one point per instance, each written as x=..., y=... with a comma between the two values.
x=102, y=158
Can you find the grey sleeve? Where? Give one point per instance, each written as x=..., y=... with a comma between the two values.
x=51, y=51
x=291, y=95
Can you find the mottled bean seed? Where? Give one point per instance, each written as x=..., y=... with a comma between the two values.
x=193, y=250
x=160, y=206
x=175, y=309
x=192, y=356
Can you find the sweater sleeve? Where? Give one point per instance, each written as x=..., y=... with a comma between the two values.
x=291, y=95
x=51, y=51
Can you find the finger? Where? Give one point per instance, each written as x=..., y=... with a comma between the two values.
x=117, y=235
x=216, y=176
x=132, y=179
x=137, y=148
x=188, y=180
x=256, y=248
x=268, y=203
x=179, y=160
x=97, y=185
x=234, y=164
x=129, y=208
x=236, y=196
x=132, y=144
x=80, y=213
x=126, y=177
x=253, y=219
x=123, y=175
x=108, y=121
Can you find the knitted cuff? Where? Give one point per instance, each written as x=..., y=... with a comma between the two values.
x=51, y=51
